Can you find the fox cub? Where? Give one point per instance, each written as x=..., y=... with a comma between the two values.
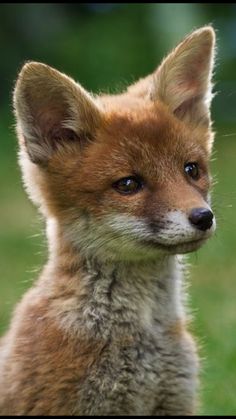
x=123, y=183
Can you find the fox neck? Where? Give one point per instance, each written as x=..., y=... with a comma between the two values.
x=105, y=298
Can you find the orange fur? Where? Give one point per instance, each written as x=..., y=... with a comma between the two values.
x=103, y=330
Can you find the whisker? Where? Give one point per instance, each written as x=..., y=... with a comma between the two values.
x=228, y=135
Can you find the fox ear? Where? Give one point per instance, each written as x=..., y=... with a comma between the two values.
x=51, y=108
x=183, y=80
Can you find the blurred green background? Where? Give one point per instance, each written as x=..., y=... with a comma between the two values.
x=105, y=47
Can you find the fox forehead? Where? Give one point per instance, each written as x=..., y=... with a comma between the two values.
x=145, y=138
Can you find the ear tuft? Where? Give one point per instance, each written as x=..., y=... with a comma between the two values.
x=51, y=108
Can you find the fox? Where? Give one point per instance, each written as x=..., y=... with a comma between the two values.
x=123, y=183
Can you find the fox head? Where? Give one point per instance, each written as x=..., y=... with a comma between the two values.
x=124, y=176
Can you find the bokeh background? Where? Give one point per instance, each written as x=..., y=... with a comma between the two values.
x=105, y=47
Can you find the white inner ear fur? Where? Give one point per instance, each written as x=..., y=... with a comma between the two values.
x=49, y=107
x=183, y=80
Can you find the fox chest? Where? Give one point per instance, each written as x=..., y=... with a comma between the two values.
x=145, y=379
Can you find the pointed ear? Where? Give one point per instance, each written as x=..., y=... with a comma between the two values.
x=183, y=80
x=50, y=109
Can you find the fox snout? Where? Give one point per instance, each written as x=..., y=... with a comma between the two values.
x=201, y=218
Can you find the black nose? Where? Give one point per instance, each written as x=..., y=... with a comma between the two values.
x=201, y=218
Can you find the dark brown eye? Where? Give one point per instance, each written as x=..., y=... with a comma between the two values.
x=128, y=185
x=192, y=170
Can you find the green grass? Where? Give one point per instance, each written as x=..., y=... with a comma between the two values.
x=212, y=272
x=213, y=275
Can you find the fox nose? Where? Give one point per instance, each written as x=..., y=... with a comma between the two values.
x=201, y=218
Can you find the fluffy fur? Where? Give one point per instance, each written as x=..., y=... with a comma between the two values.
x=103, y=331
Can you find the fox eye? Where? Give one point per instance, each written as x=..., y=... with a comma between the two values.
x=128, y=185
x=192, y=170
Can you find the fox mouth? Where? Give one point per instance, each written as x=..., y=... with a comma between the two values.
x=185, y=247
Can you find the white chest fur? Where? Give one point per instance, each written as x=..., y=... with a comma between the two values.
x=147, y=365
